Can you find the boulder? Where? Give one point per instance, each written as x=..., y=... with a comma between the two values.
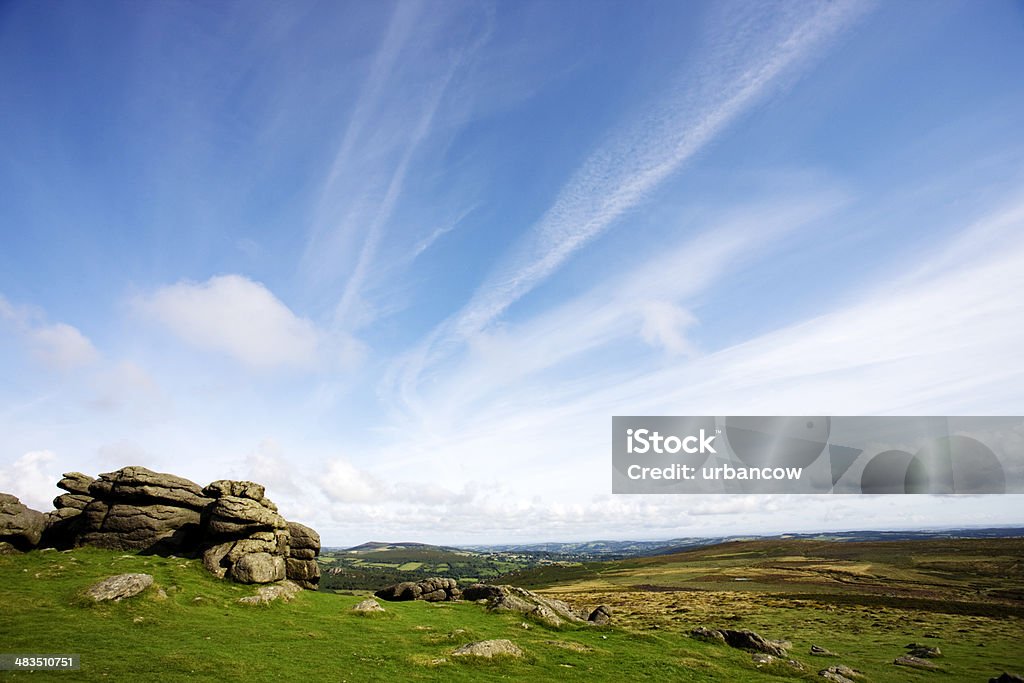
x=303, y=538
x=239, y=517
x=1006, y=678
x=303, y=549
x=435, y=589
x=819, y=651
x=748, y=640
x=501, y=647
x=157, y=528
x=368, y=605
x=515, y=599
x=235, y=489
x=76, y=482
x=258, y=568
x=600, y=616
x=118, y=587
x=306, y=573
x=924, y=651
x=284, y=591
x=20, y=526
x=915, y=663
x=708, y=634
x=73, y=501
x=840, y=674
x=136, y=484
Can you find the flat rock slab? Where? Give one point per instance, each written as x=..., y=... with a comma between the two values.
x=915, y=663
x=500, y=647
x=368, y=605
x=119, y=587
x=284, y=591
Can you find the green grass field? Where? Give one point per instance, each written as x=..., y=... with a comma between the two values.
x=200, y=632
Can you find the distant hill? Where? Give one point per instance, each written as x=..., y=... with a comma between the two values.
x=609, y=550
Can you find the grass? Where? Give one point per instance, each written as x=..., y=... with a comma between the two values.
x=200, y=632
x=803, y=594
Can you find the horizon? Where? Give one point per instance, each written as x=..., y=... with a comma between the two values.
x=402, y=262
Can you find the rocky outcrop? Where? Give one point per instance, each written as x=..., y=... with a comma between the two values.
x=21, y=527
x=601, y=615
x=514, y=599
x=434, y=589
x=64, y=523
x=231, y=524
x=744, y=640
x=244, y=537
x=119, y=587
x=301, y=565
x=137, y=509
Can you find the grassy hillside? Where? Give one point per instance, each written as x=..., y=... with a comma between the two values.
x=200, y=632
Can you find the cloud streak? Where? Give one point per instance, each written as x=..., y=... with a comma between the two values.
x=633, y=163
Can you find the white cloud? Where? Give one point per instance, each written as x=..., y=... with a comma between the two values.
x=344, y=483
x=237, y=316
x=58, y=346
x=62, y=346
x=32, y=479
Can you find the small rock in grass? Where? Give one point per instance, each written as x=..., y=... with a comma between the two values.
x=915, y=663
x=118, y=587
x=489, y=649
x=368, y=605
x=819, y=651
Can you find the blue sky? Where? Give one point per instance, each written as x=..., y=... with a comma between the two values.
x=402, y=262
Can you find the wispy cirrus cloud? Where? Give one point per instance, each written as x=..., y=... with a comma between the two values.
x=392, y=120
x=742, y=63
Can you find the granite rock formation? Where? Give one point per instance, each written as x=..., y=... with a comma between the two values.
x=232, y=525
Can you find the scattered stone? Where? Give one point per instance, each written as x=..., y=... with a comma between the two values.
x=915, y=663
x=601, y=616
x=748, y=640
x=284, y=591
x=840, y=674
x=20, y=526
x=923, y=651
x=707, y=634
x=760, y=658
x=118, y=587
x=501, y=647
x=568, y=645
x=1006, y=678
x=368, y=605
x=819, y=651
x=511, y=598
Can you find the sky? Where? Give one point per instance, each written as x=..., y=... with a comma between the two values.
x=401, y=262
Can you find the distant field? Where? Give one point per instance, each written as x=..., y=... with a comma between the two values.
x=863, y=600
x=374, y=566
